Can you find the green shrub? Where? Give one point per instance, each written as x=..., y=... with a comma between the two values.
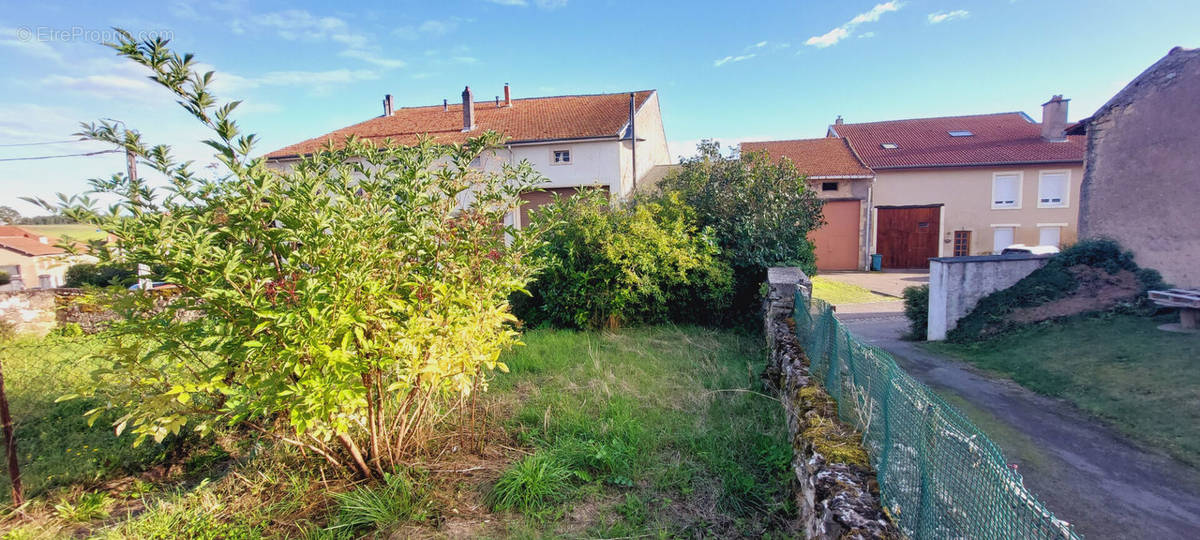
x=531, y=484
x=916, y=308
x=5, y=279
x=361, y=283
x=99, y=275
x=632, y=264
x=759, y=209
x=1051, y=282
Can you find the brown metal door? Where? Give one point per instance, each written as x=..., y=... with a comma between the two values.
x=908, y=236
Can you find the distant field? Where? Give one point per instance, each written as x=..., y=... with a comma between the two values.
x=76, y=232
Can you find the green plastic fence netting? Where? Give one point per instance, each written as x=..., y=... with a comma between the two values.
x=939, y=475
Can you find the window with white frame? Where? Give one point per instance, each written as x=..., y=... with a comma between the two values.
x=1006, y=190
x=1053, y=188
x=1002, y=237
x=562, y=157
x=1049, y=236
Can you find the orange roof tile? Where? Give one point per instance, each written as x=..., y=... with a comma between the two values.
x=996, y=139
x=27, y=242
x=829, y=156
x=529, y=119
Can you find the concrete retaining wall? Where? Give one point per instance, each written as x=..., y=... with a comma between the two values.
x=835, y=497
x=956, y=284
x=28, y=312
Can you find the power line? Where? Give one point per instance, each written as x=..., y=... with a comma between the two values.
x=42, y=142
x=62, y=155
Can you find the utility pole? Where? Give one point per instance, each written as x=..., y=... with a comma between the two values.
x=143, y=271
x=633, y=138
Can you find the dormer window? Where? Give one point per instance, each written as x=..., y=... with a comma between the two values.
x=889, y=146
x=960, y=133
x=562, y=157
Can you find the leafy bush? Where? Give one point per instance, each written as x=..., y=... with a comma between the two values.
x=5, y=279
x=531, y=484
x=916, y=308
x=1049, y=283
x=759, y=209
x=607, y=266
x=99, y=275
x=355, y=295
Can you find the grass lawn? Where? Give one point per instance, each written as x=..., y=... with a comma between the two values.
x=836, y=292
x=1120, y=368
x=651, y=432
x=78, y=232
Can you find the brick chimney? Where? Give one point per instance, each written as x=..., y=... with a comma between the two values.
x=1054, y=119
x=387, y=105
x=507, y=96
x=468, y=109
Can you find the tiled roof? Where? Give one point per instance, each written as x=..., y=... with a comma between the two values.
x=529, y=119
x=997, y=139
x=27, y=242
x=829, y=156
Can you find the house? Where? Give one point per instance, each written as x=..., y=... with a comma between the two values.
x=1141, y=180
x=574, y=141
x=844, y=183
x=969, y=185
x=32, y=260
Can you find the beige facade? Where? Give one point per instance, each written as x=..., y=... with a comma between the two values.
x=968, y=203
x=40, y=272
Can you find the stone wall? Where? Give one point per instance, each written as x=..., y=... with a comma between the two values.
x=956, y=284
x=28, y=312
x=1141, y=186
x=836, y=492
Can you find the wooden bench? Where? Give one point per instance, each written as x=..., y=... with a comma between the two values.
x=1188, y=302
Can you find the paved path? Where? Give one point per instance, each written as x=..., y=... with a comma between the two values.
x=1085, y=472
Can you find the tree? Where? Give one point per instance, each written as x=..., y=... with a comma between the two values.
x=9, y=215
x=343, y=305
x=761, y=211
x=5, y=279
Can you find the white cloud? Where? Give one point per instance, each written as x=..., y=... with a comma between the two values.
x=372, y=58
x=429, y=28
x=543, y=4
x=314, y=78
x=722, y=61
x=944, y=16
x=841, y=32
x=867, y=35
x=300, y=25
x=760, y=45
x=24, y=42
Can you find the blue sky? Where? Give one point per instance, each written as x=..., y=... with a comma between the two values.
x=730, y=71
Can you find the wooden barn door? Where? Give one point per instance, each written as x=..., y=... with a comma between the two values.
x=908, y=236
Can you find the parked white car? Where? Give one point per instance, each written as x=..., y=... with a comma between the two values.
x=1030, y=250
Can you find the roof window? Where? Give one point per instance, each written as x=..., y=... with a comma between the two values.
x=960, y=133
x=889, y=146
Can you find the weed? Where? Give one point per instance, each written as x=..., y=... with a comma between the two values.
x=89, y=506
x=381, y=506
x=531, y=484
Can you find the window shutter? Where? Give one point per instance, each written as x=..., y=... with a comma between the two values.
x=1005, y=190
x=1002, y=237
x=1052, y=189
x=1049, y=236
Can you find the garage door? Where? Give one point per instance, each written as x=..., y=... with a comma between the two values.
x=530, y=200
x=908, y=236
x=836, y=243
